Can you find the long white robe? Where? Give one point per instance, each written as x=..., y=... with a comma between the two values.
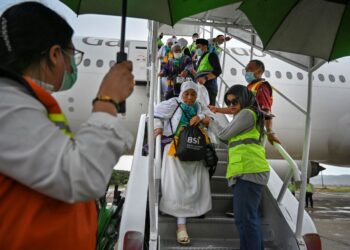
x=185, y=185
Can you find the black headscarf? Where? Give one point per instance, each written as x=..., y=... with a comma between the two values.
x=247, y=99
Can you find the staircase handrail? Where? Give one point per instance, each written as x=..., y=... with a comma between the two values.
x=294, y=170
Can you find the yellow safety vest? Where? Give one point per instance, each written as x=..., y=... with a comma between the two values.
x=246, y=154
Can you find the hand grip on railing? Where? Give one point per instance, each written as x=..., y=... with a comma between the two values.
x=158, y=157
x=289, y=159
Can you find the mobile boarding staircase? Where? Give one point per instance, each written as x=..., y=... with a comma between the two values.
x=143, y=227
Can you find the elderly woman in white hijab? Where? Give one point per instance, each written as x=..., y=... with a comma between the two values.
x=185, y=184
x=183, y=43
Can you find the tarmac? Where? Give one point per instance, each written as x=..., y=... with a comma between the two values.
x=331, y=214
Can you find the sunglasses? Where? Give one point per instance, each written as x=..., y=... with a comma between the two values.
x=233, y=102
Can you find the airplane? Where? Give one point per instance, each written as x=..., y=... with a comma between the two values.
x=330, y=142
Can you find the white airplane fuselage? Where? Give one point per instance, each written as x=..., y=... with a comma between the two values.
x=330, y=133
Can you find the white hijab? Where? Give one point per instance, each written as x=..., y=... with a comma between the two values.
x=186, y=86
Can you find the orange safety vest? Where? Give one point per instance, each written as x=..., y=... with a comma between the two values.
x=255, y=86
x=33, y=221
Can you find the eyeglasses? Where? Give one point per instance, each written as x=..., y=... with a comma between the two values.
x=233, y=102
x=78, y=55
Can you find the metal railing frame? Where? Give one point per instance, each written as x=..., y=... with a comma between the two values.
x=153, y=237
x=154, y=165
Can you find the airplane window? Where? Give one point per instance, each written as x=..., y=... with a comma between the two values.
x=267, y=73
x=71, y=109
x=111, y=63
x=321, y=77
x=342, y=78
x=70, y=99
x=289, y=75
x=233, y=71
x=300, y=76
x=278, y=74
x=99, y=63
x=86, y=62
x=331, y=78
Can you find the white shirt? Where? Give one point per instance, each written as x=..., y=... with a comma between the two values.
x=34, y=152
x=164, y=110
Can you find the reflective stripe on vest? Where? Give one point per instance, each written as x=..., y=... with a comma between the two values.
x=61, y=122
x=205, y=65
x=249, y=157
x=54, y=111
x=244, y=141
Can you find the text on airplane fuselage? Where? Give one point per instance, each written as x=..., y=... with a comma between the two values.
x=92, y=41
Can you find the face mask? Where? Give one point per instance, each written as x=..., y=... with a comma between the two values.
x=177, y=55
x=69, y=78
x=199, y=52
x=249, y=76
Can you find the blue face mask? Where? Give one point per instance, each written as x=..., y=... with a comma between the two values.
x=69, y=78
x=249, y=76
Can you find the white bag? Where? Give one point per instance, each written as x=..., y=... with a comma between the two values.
x=202, y=95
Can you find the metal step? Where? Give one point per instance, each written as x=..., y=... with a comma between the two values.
x=207, y=227
x=221, y=203
x=199, y=244
x=221, y=168
x=221, y=153
x=207, y=244
x=218, y=184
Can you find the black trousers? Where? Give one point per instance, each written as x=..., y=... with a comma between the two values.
x=308, y=198
x=212, y=98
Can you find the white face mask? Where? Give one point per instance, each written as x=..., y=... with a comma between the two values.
x=199, y=52
x=177, y=55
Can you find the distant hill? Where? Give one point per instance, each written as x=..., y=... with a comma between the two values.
x=331, y=180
